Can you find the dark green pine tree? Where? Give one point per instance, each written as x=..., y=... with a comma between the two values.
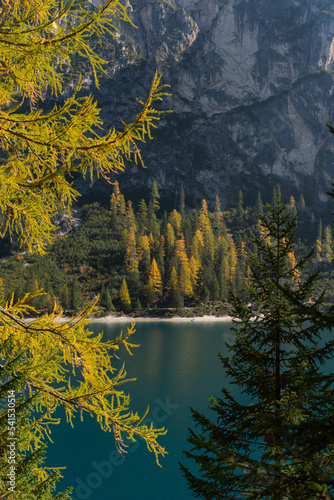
x=154, y=204
x=106, y=299
x=258, y=209
x=142, y=216
x=275, y=442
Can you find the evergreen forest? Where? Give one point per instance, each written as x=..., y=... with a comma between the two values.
x=141, y=260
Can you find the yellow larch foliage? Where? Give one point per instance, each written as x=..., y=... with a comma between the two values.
x=292, y=265
x=181, y=252
x=243, y=252
x=185, y=280
x=39, y=147
x=318, y=250
x=170, y=237
x=263, y=232
x=175, y=219
x=203, y=218
x=197, y=245
x=195, y=266
x=143, y=247
x=124, y=296
x=155, y=276
x=205, y=227
x=204, y=208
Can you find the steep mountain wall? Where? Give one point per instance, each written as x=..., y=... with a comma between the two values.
x=252, y=84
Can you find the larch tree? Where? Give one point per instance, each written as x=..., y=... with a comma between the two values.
x=155, y=276
x=328, y=245
x=170, y=239
x=175, y=219
x=39, y=147
x=275, y=441
x=217, y=206
x=124, y=296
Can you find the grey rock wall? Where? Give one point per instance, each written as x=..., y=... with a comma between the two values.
x=252, y=84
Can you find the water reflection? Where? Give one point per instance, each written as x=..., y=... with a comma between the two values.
x=176, y=367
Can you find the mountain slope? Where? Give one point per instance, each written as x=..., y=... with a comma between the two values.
x=252, y=92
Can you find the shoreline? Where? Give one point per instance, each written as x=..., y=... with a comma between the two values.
x=173, y=319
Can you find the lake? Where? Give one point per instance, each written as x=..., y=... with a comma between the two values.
x=176, y=367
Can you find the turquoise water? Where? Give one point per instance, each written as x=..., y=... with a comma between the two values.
x=176, y=368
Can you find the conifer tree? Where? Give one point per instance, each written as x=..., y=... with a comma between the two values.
x=278, y=443
x=318, y=252
x=195, y=267
x=107, y=300
x=197, y=245
x=130, y=220
x=150, y=292
x=328, y=245
x=173, y=282
x=181, y=252
x=142, y=216
x=131, y=259
x=224, y=274
x=170, y=239
x=217, y=206
x=233, y=259
x=178, y=299
x=185, y=280
x=175, y=219
x=113, y=205
x=115, y=199
x=144, y=255
x=155, y=276
x=124, y=296
x=154, y=204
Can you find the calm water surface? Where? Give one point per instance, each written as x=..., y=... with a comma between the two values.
x=176, y=368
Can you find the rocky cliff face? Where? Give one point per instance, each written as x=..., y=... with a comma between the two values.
x=252, y=84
